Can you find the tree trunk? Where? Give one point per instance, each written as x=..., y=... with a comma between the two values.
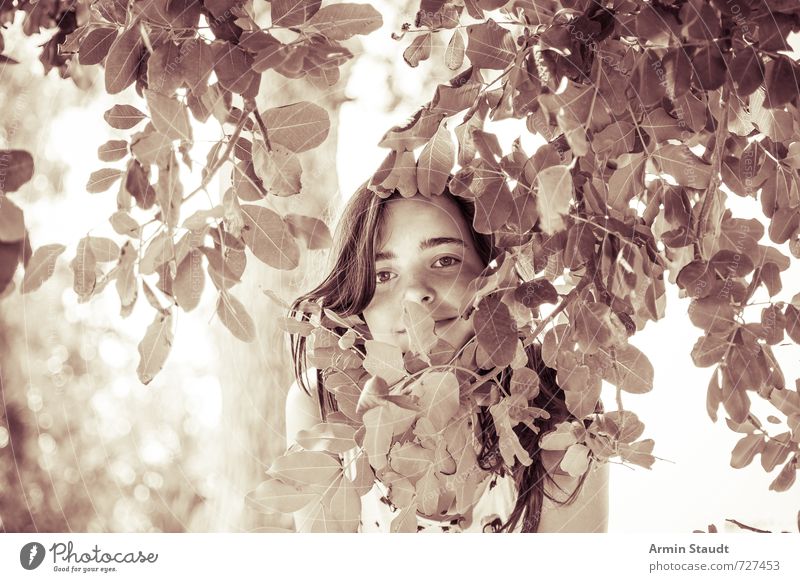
x=255, y=377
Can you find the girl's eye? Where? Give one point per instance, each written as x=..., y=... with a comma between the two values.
x=447, y=261
x=384, y=277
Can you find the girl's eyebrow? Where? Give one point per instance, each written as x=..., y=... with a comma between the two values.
x=440, y=240
x=424, y=245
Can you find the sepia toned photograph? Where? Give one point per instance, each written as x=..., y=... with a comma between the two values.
x=437, y=266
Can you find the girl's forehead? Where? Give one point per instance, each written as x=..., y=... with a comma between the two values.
x=421, y=217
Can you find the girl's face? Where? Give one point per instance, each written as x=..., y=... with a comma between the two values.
x=425, y=254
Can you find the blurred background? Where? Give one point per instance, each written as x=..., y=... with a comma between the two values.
x=85, y=447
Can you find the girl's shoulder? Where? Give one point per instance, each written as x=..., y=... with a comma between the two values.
x=302, y=409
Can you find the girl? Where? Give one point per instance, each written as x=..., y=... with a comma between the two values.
x=393, y=251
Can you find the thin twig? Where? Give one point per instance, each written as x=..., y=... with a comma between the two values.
x=217, y=164
x=264, y=133
x=747, y=527
x=719, y=146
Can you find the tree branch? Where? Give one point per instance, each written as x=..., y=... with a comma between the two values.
x=223, y=158
x=719, y=146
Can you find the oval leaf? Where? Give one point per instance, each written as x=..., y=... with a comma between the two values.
x=435, y=163
x=123, y=116
x=17, y=167
x=268, y=238
x=234, y=316
x=154, y=347
x=41, y=266
x=96, y=45
x=297, y=127
x=122, y=62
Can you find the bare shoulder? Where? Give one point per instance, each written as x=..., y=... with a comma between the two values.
x=587, y=513
x=302, y=410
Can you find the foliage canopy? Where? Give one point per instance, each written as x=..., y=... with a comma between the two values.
x=653, y=114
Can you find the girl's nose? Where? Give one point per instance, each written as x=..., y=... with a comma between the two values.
x=419, y=292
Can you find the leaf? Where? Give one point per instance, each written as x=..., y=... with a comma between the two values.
x=419, y=326
x=454, y=54
x=786, y=478
x=452, y=100
x=164, y=68
x=343, y=20
x=728, y=263
x=632, y=371
x=102, y=180
x=782, y=80
x=196, y=64
x=104, y=249
x=553, y=197
x=581, y=389
x=327, y=436
x=576, y=460
x=279, y=169
x=734, y=397
x=233, y=67
x=126, y=283
x=374, y=394
x=709, y=350
x=189, y=281
x=709, y=68
x=435, y=163
x=489, y=45
x=747, y=71
x=419, y=50
x=122, y=61
x=170, y=117
x=345, y=507
x=405, y=521
x=298, y=127
x=533, y=294
x=438, y=394
x=746, y=449
x=268, y=237
x=495, y=330
x=313, y=231
x=306, y=468
x=293, y=12
x=638, y=453
x=627, y=181
x=160, y=250
x=17, y=168
x=382, y=423
x=384, y=361
x=792, y=315
x=95, y=45
x=776, y=450
x=713, y=314
x=559, y=439
x=234, y=316
x=154, y=347
x=113, y=150
x=41, y=267
x=274, y=495
x=428, y=492
x=784, y=224
x=595, y=325
x=624, y=425
x=696, y=279
x=684, y=166
x=84, y=270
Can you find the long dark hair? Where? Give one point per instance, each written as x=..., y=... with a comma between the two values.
x=348, y=289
